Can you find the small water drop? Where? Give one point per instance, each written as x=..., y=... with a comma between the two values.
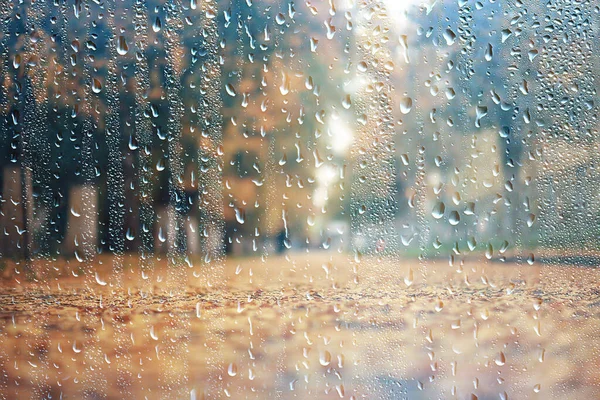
x=230, y=90
x=240, y=215
x=489, y=251
x=449, y=37
x=99, y=280
x=96, y=85
x=280, y=19
x=130, y=235
x=157, y=25
x=438, y=210
x=122, y=47
x=489, y=52
x=161, y=235
x=480, y=112
x=500, y=359
x=347, y=102
x=532, y=54
x=324, y=358
x=133, y=143
x=406, y=105
x=454, y=218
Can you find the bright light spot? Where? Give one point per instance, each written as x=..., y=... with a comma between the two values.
x=326, y=176
x=341, y=137
x=398, y=8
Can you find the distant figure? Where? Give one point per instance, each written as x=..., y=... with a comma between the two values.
x=280, y=241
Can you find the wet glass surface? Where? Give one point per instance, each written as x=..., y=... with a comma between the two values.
x=351, y=199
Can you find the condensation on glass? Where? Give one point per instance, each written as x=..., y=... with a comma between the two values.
x=299, y=199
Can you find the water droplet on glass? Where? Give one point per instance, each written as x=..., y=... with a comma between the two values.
x=438, y=210
x=324, y=358
x=122, y=47
x=280, y=19
x=99, y=281
x=500, y=359
x=232, y=369
x=454, y=218
x=157, y=25
x=240, y=216
x=449, y=37
x=96, y=86
x=489, y=52
x=347, y=102
x=480, y=112
x=160, y=165
x=230, y=90
x=406, y=104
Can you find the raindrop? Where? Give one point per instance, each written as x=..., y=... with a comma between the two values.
x=532, y=54
x=324, y=358
x=160, y=165
x=347, y=102
x=406, y=105
x=230, y=90
x=16, y=61
x=524, y=87
x=454, y=218
x=161, y=235
x=133, y=143
x=489, y=251
x=438, y=210
x=96, y=86
x=489, y=52
x=129, y=234
x=284, y=88
x=500, y=359
x=122, y=47
x=530, y=259
x=232, y=369
x=330, y=28
x=471, y=243
x=99, y=281
x=480, y=112
x=280, y=19
x=313, y=44
x=449, y=36
x=240, y=215
x=157, y=25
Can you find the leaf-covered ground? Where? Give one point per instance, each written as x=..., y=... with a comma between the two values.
x=301, y=326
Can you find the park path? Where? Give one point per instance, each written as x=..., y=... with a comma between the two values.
x=301, y=326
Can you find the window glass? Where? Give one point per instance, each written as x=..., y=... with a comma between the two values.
x=390, y=199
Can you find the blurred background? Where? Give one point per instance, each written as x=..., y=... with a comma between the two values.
x=247, y=128
x=299, y=199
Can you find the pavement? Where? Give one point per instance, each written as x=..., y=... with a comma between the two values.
x=305, y=325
